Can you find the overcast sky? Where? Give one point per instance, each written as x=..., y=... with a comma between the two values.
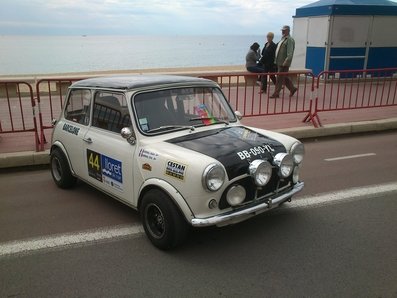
x=145, y=17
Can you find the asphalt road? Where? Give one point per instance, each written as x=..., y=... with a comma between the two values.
x=342, y=247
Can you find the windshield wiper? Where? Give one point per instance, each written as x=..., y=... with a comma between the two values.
x=167, y=127
x=209, y=118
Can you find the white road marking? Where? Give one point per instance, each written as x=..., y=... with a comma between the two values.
x=61, y=240
x=350, y=156
x=343, y=195
x=117, y=232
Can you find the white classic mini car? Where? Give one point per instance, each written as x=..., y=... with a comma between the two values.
x=172, y=148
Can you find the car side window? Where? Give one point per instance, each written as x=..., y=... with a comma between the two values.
x=78, y=106
x=110, y=111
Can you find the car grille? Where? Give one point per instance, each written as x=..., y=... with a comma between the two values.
x=255, y=193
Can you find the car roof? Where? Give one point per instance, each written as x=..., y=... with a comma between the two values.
x=136, y=81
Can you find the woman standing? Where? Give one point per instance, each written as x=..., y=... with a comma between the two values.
x=267, y=60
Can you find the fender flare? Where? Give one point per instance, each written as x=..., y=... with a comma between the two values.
x=59, y=145
x=171, y=191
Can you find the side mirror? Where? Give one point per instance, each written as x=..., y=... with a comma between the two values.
x=128, y=134
x=238, y=115
x=54, y=122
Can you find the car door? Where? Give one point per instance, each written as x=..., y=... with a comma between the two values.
x=109, y=157
x=74, y=126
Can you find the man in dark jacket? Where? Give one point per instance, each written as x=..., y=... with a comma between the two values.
x=267, y=60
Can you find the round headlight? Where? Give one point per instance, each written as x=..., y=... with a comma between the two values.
x=261, y=171
x=235, y=195
x=285, y=162
x=298, y=152
x=213, y=177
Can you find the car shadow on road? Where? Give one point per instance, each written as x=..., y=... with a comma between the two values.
x=272, y=225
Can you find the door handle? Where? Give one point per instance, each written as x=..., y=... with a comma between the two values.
x=87, y=140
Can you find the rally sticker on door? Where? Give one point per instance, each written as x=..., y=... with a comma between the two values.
x=105, y=169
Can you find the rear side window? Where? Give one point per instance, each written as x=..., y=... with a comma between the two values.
x=78, y=106
x=110, y=111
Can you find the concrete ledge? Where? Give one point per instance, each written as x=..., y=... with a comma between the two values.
x=341, y=129
x=32, y=158
x=22, y=159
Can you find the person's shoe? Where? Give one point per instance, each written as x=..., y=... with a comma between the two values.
x=274, y=96
x=293, y=92
x=262, y=91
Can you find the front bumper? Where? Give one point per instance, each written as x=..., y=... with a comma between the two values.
x=233, y=216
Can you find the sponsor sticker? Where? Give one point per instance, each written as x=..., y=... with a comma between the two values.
x=144, y=124
x=105, y=169
x=148, y=154
x=175, y=169
x=71, y=129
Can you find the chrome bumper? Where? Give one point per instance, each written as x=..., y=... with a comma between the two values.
x=240, y=215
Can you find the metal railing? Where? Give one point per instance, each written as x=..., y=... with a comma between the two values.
x=243, y=92
x=355, y=89
x=18, y=109
x=51, y=95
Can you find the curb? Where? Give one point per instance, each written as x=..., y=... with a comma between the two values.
x=32, y=158
x=341, y=129
x=23, y=159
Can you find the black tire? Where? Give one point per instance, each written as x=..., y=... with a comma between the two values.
x=60, y=170
x=162, y=221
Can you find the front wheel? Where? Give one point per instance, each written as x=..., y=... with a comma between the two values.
x=60, y=170
x=162, y=221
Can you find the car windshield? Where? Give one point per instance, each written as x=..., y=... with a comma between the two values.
x=182, y=108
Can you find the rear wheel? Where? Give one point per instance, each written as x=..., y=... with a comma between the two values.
x=60, y=170
x=162, y=221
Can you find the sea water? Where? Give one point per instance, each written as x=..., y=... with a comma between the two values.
x=63, y=54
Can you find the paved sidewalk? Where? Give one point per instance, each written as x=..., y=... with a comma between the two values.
x=17, y=150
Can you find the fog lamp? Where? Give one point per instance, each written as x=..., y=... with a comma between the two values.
x=235, y=195
x=261, y=171
x=285, y=162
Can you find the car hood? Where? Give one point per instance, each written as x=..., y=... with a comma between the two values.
x=234, y=147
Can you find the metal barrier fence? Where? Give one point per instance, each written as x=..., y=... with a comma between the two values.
x=243, y=92
x=50, y=97
x=18, y=109
x=354, y=89
x=330, y=91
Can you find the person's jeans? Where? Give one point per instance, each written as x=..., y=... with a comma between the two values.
x=255, y=68
x=258, y=69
